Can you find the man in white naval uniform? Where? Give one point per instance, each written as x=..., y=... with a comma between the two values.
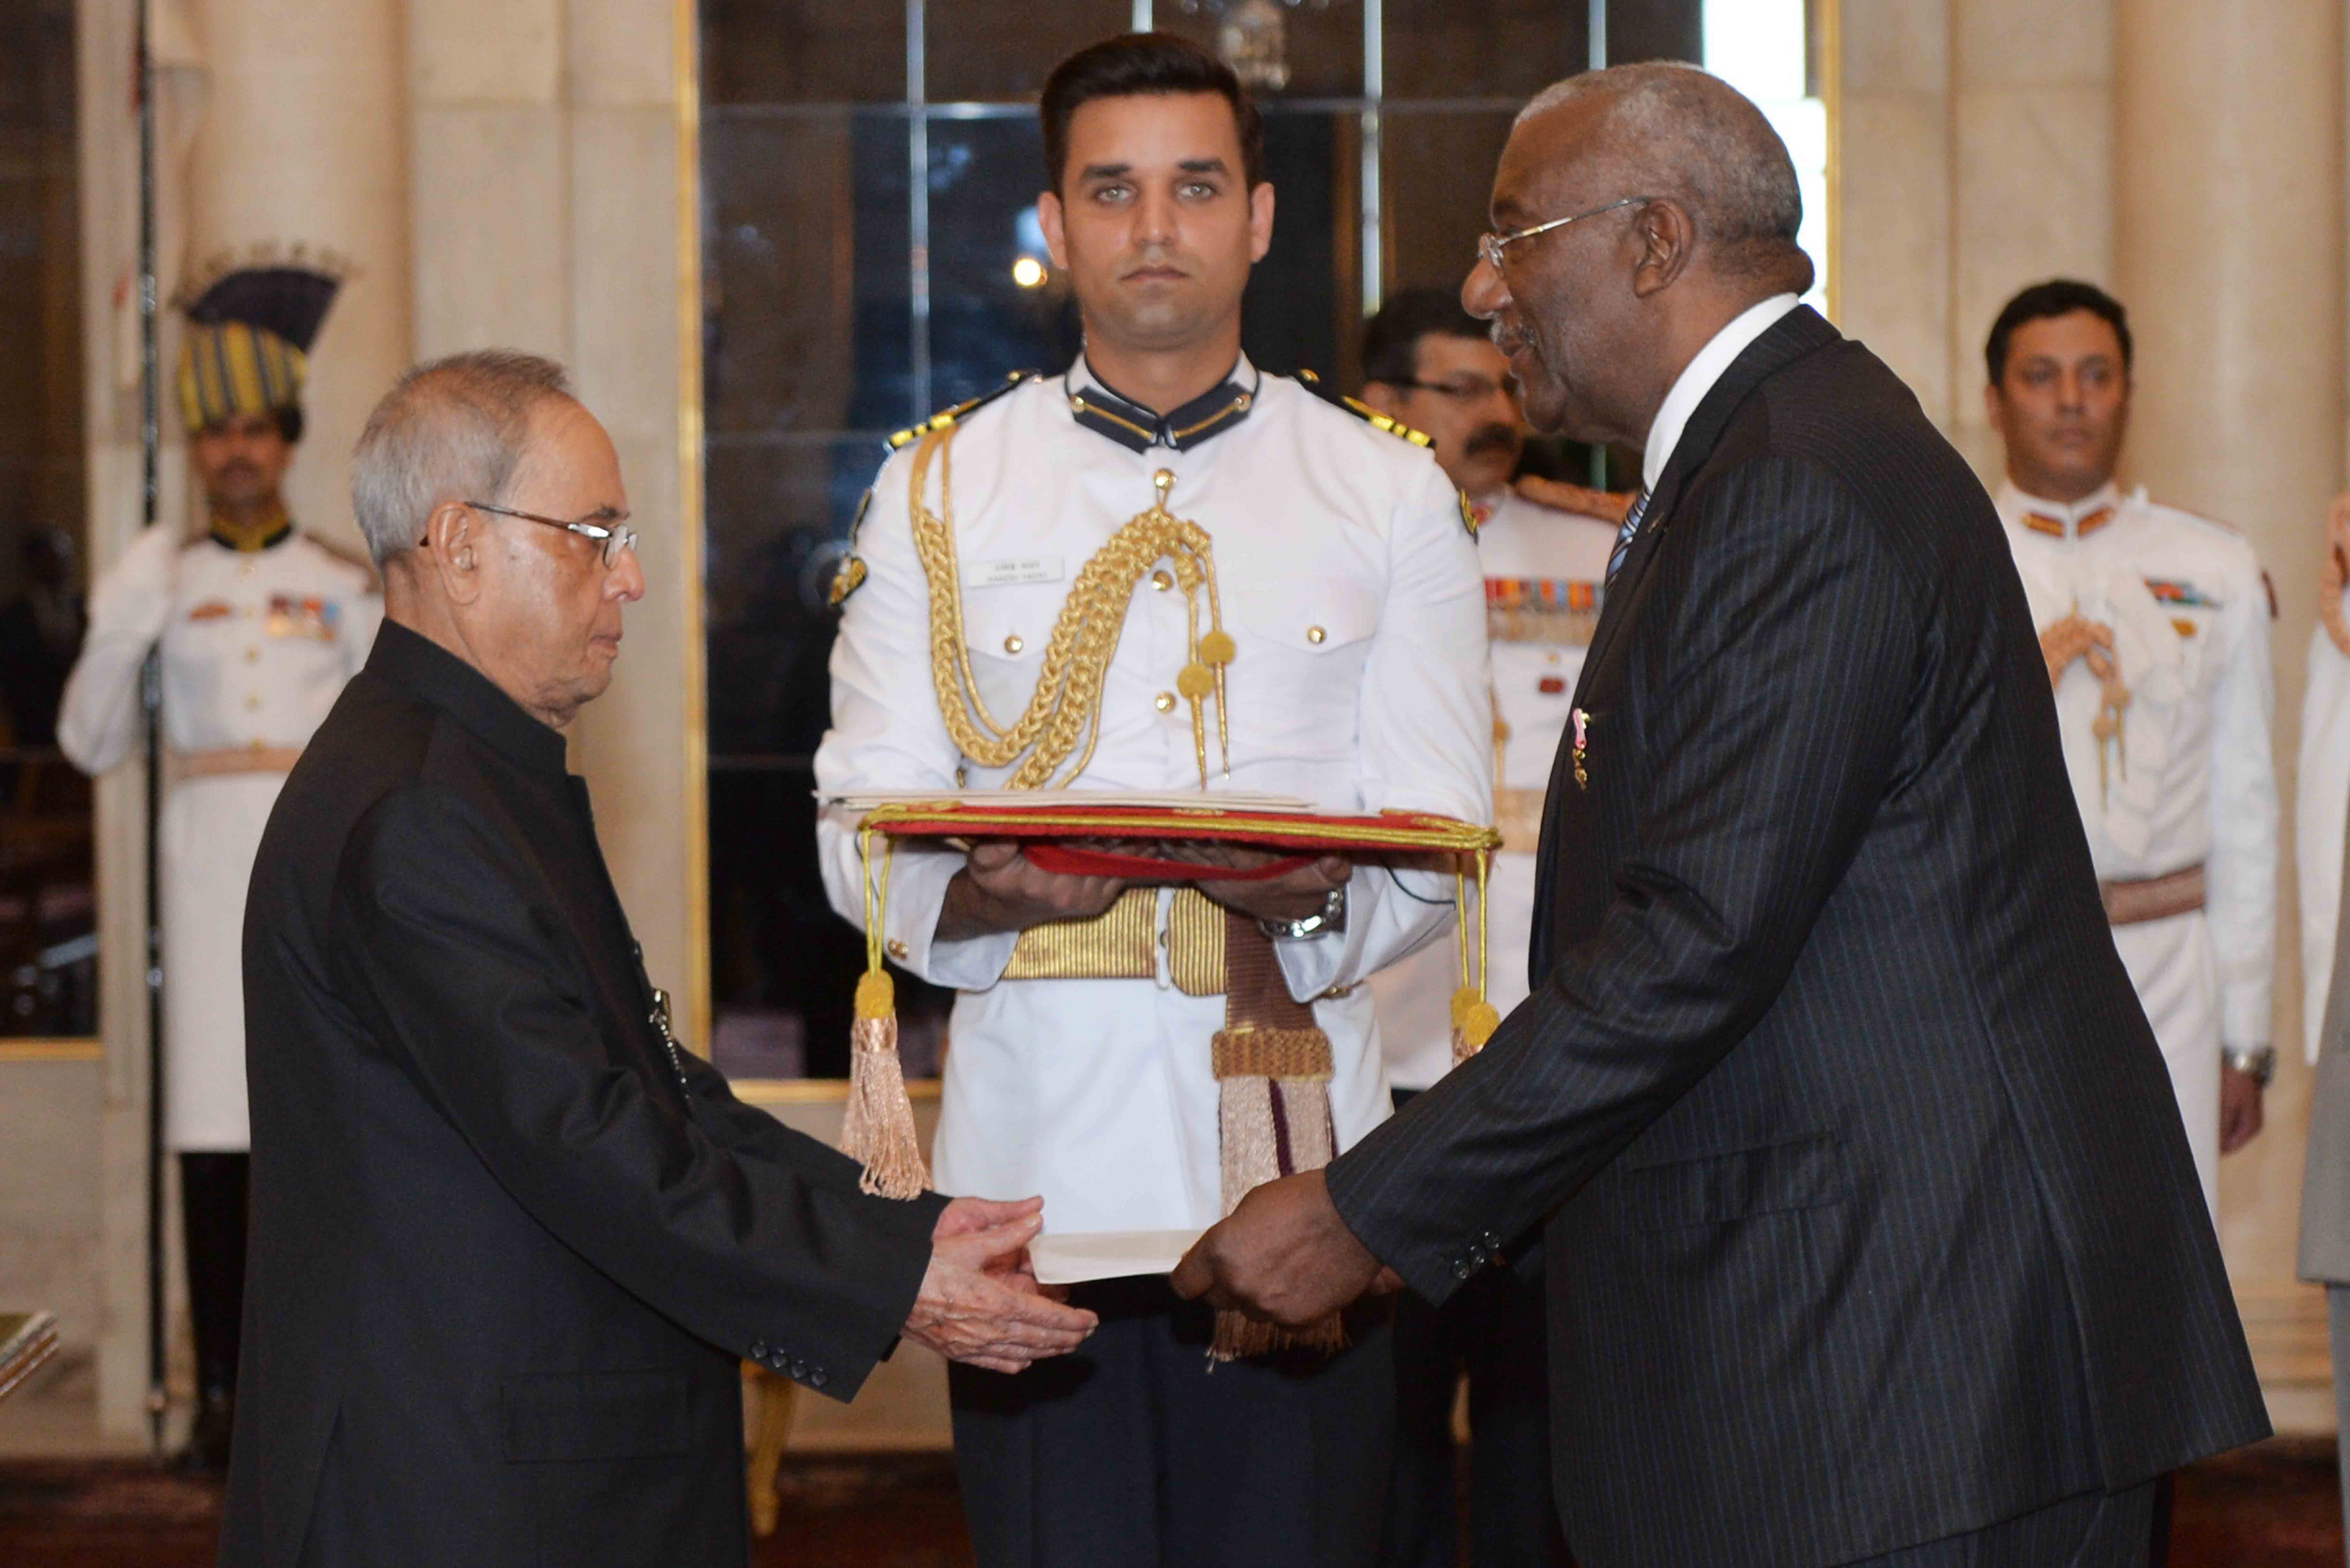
x=1349, y=587
x=1431, y=365
x=2155, y=624
x=260, y=624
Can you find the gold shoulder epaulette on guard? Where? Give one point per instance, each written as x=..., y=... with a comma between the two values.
x=945, y=417
x=1362, y=410
x=850, y=576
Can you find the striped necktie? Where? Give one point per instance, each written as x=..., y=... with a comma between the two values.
x=1625, y=535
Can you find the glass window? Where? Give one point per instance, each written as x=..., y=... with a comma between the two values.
x=48, y=948
x=989, y=51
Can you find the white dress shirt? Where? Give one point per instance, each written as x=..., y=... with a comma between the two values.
x=1351, y=588
x=1698, y=376
x=2191, y=779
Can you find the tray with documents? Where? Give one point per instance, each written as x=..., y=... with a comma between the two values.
x=1106, y=834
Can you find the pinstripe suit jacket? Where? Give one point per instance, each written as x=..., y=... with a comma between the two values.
x=1870, y=1216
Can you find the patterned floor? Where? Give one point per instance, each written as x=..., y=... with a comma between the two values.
x=2275, y=1505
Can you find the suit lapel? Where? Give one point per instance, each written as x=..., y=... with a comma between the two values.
x=1793, y=335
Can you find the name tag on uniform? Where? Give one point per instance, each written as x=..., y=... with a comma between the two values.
x=1012, y=571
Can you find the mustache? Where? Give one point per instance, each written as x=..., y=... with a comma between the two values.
x=1491, y=437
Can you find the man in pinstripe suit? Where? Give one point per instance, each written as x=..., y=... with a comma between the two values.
x=1874, y=1230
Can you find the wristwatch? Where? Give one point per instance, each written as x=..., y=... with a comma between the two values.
x=2257, y=1063
x=1329, y=919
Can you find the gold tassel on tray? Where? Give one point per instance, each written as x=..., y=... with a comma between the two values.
x=878, y=1126
x=1474, y=1019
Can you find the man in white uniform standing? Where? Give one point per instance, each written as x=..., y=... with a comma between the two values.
x=2155, y=626
x=1340, y=567
x=260, y=624
x=1431, y=365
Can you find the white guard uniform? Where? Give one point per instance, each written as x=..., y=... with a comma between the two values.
x=1350, y=587
x=2190, y=779
x=1544, y=574
x=256, y=646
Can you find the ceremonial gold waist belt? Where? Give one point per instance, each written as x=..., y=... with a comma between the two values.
x=234, y=760
x=1123, y=944
x=2136, y=902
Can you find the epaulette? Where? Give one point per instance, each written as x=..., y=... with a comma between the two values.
x=1362, y=410
x=948, y=416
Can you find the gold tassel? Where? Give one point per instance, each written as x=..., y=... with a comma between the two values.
x=1474, y=1019
x=876, y=1127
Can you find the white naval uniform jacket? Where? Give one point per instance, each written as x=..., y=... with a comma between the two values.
x=256, y=647
x=2191, y=780
x=1529, y=553
x=2321, y=800
x=1349, y=585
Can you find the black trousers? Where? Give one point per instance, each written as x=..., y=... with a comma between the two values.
x=2090, y=1530
x=213, y=1213
x=1138, y=1451
x=1493, y=1329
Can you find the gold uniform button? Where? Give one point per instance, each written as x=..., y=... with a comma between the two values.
x=1164, y=701
x=252, y=704
x=1162, y=579
x=253, y=655
x=1314, y=634
x=1012, y=644
x=897, y=949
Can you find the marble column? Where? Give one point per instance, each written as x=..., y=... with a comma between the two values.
x=304, y=142
x=2227, y=179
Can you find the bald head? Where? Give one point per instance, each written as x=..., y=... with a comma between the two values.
x=1674, y=131
x=1644, y=208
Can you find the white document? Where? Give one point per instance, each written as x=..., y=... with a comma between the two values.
x=1072, y=1258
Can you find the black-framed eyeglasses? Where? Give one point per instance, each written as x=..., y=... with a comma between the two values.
x=1489, y=246
x=614, y=537
x=1470, y=388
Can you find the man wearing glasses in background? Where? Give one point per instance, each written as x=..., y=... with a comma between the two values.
x=1431, y=365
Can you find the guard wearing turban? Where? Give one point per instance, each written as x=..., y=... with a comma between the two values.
x=259, y=625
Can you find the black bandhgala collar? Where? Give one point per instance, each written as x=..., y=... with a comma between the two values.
x=418, y=665
x=1139, y=429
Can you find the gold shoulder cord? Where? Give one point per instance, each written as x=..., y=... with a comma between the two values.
x=1066, y=704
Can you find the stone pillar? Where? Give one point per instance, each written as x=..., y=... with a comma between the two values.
x=2228, y=180
x=304, y=140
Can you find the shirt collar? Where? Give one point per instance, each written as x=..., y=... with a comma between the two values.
x=418, y=665
x=1101, y=408
x=2019, y=509
x=1698, y=376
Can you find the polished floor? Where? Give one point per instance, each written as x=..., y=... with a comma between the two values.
x=2275, y=1505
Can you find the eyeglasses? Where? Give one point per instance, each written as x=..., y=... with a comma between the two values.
x=1466, y=389
x=1490, y=245
x=612, y=535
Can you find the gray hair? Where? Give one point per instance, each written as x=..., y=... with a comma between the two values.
x=1690, y=136
x=451, y=428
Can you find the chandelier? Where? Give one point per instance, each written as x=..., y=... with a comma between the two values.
x=1252, y=36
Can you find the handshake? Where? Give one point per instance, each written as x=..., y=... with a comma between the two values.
x=1282, y=1256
